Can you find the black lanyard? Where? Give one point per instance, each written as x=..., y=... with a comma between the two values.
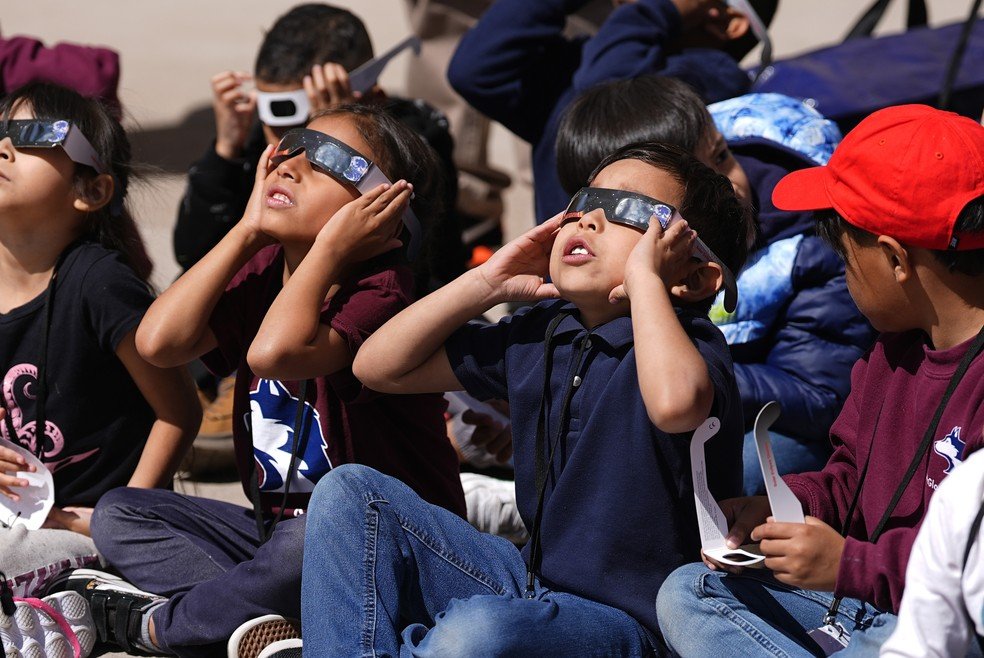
x=921, y=451
x=40, y=416
x=544, y=464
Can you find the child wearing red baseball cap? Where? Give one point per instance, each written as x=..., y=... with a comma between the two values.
x=902, y=200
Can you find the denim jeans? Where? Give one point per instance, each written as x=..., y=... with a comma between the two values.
x=387, y=574
x=792, y=456
x=710, y=613
x=204, y=555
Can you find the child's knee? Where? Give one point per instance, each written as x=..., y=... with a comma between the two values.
x=680, y=592
x=112, y=515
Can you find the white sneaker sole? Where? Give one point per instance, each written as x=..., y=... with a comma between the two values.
x=33, y=633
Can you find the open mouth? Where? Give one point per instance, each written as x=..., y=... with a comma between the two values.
x=278, y=197
x=577, y=251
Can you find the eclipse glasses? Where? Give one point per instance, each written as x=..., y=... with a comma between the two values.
x=636, y=210
x=49, y=133
x=292, y=108
x=347, y=166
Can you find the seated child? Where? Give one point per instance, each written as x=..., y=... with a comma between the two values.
x=73, y=288
x=602, y=403
x=796, y=331
x=942, y=610
x=902, y=200
x=311, y=48
x=286, y=299
x=517, y=67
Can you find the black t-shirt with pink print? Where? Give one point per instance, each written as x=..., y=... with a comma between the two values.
x=97, y=421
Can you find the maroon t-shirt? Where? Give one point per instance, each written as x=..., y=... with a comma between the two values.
x=345, y=422
x=895, y=390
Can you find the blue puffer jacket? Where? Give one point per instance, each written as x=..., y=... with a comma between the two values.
x=796, y=332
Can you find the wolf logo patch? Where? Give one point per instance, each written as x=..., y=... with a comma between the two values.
x=950, y=448
x=272, y=411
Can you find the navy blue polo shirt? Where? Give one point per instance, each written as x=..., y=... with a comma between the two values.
x=619, y=508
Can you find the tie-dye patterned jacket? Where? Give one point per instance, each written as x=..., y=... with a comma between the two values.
x=796, y=331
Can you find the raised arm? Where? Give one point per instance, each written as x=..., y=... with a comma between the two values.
x=664, y=351
x=293, y=342
x=407, y=354
x=175, y=329
x=636, y=38
x=515, y=63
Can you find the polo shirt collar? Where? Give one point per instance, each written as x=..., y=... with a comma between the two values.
x=616, y=333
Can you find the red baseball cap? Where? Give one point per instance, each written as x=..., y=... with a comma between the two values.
x=905, y=171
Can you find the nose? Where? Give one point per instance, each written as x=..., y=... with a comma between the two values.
x=291, y=167
x=592, y=221
x=7, y=150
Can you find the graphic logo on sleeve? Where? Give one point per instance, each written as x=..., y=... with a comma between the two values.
x=950, y=448
x=272, y=411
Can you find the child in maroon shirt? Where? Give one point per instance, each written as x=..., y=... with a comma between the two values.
x=902, y=200
x=285, y=300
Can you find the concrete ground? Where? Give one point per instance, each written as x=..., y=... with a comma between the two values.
x=170, y=50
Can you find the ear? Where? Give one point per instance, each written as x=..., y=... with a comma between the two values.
x=98, y=193
x=897, y=257
x=729, y=25
x=703, y=281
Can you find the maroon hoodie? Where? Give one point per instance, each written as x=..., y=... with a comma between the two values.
x=895, y=390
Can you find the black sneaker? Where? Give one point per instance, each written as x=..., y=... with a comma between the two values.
x=117, y=606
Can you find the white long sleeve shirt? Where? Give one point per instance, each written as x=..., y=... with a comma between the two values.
x=943, y=605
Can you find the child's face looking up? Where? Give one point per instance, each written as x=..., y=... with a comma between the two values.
x=299, y=199
x=714, y=152
x=589, y=254
x=37, y=181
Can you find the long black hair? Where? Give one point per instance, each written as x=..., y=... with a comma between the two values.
x=112, y=225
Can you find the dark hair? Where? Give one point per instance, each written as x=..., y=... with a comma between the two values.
x=709, y=205
x=611, y=115
x=401, y=153
x=112, y=225
x=308, y=35
x=766, y=9
x=831, y=225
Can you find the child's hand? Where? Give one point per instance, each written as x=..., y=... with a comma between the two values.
x=10, y=463
x=743, y=515
x=369, y=225
x=805, y=555
x=663, y=254
x=328, y=86
x=233, y=113
x=254, y=208
x=516, y=272
x=489, y=434
x=76, y=519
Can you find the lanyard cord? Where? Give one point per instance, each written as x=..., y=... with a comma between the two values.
x=921, y=451
x=40, y=417
x=543, y=465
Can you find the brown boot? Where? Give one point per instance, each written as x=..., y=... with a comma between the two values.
x=217, y=415
x=213, y=450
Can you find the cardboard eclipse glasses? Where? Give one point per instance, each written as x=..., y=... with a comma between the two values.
x=292, y=108
x=636, y=210
x=49, y=133
x=347, y=166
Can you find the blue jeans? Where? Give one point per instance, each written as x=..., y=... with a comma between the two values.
x=204, y=555
x=792, y=456
x=387, y=574
x=710, y=613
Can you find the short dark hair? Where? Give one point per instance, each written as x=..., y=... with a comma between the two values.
x=831, y=225
x=308, y=35
x=611, y=115
x=112, y=225
x=401, y=153
x=709, y=205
